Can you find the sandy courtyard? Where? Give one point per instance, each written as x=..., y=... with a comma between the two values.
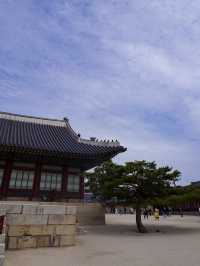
x=118, y=244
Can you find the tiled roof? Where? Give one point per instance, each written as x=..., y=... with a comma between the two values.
x=41, y=135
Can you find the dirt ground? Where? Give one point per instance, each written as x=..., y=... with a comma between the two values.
x=118, y=244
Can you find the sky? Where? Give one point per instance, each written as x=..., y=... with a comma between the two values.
x=126, y=70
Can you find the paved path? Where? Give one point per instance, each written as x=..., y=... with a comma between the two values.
x=118, y=244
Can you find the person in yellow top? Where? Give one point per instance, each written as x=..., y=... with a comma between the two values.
x=156, y=215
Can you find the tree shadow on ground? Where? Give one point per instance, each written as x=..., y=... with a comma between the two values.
x=131, y=230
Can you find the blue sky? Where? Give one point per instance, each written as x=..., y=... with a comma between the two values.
x=128, y=70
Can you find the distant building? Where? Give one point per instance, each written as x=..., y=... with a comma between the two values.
x=89, y=197
x=195, y=184
x=43, y=159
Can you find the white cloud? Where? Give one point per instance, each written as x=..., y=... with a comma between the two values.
x=127, y=70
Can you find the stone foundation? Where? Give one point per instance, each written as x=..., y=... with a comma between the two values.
x=90, y=214
x=87, y=213
x=38, y=225
x=2, y=238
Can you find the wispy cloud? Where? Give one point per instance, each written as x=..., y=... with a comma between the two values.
x=118, y=69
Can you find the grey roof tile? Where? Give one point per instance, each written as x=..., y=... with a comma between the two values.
x=48, y=136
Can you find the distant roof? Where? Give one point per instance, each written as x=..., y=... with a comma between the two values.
x=195, y=183
x=20, y=133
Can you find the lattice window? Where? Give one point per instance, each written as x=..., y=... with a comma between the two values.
x=73, y=183
x=51, y=181
x=21, y=179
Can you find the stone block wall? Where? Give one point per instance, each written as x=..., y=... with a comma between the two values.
x=35, y=225
x=90, y=213
x=87, y=213
x=2, y=249
x=2, y=237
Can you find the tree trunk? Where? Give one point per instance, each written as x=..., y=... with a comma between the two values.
x=139, y=224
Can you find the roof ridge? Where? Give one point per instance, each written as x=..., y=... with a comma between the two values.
x=96, y=142
x=30, y=116
x=34, y=119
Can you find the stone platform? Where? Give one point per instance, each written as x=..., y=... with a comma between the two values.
x=35, y=225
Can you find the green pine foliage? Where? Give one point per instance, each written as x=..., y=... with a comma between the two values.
x=137, y=183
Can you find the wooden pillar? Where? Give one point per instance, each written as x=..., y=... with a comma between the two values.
x=64, y=181
x=81, y=187
x=6, y=177
x=36, y=183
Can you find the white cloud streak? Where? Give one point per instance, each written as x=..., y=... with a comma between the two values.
x=118, y=69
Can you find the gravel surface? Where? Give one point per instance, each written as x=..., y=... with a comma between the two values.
x=118, y=244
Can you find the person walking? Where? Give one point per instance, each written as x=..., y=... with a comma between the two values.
x=157, y=215
x=145, y=213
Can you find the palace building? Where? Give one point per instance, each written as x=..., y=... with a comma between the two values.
x=44, y=159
